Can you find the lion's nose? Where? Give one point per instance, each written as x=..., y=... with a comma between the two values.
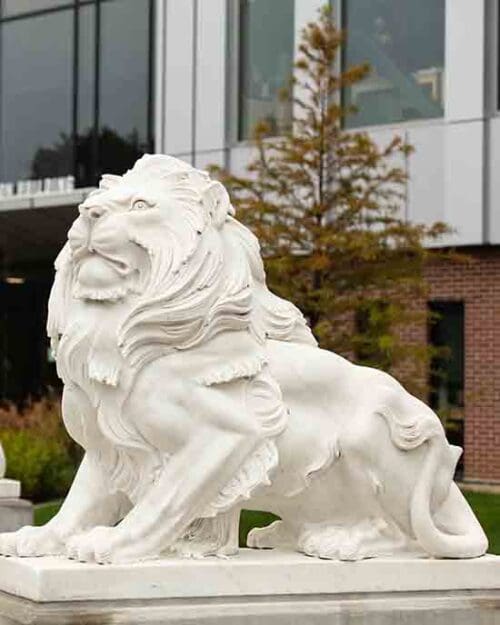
x=93, y=212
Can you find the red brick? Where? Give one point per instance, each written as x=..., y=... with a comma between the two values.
x=477, y=284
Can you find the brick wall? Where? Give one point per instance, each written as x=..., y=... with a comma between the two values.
x=477, y=284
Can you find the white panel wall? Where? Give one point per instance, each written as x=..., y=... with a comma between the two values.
x=446, y=176
x=425, y=166
x=464, y=59
x=494, y=185
x=210, y=157
x=426, y=169
x=210, y=102
x=178, y=77
x=240, y=157
x=463, y=180
x=305, y=11
x=464, y=152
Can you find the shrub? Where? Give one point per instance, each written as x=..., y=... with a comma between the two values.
x=39, y=452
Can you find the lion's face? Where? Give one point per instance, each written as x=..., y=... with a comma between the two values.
x=162, y=240
x=108, y=262
x=155, y=213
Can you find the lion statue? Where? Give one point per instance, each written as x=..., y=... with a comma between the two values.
x=196, y=392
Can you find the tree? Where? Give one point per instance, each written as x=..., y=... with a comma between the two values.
x=327, y=205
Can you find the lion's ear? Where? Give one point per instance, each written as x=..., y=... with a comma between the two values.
x=217, y=203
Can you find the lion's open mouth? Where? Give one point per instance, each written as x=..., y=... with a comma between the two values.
x=120, y=265
x=103, y=277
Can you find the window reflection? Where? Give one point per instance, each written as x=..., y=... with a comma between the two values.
x=36, y=95
x=55, y=122
x=86, y=67
x=17, y=7
x=266, y=59
x=403, y=41
x=123, y=84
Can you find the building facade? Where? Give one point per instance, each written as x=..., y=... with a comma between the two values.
x=86, y=86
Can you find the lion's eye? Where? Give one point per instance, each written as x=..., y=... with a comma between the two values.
x=140, y=205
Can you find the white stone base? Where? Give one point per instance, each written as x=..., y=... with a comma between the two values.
x=9, y=489
x=252, y=572
x=254, y=587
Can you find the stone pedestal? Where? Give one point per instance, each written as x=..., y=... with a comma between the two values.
x=10, y=489
x=255, y=588
x=14, y=512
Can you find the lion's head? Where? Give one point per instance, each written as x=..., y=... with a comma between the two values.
x=162, y=238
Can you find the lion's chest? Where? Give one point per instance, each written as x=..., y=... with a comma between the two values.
x=80, y=418
x=88, y=353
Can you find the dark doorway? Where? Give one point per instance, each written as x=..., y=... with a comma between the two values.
x=447, y=379
x=26, y=367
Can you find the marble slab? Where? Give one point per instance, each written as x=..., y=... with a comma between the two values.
x=251, y=573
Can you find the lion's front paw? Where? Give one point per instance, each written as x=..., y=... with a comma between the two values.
x=95, y=545
x=106, y=545
x=31, y=542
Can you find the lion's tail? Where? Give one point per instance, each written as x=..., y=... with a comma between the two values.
x=465, y=538
x=471, y=541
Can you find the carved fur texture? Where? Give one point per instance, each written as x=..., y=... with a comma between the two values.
x=195, y=392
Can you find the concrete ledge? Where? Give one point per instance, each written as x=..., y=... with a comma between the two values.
x=468, y=607
x=251, y=573
x=45, y=200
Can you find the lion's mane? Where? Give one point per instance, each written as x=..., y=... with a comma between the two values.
x=205, y=271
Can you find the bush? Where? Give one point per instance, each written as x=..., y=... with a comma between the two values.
x=39, y=452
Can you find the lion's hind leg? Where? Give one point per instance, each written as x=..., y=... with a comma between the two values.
x=276, y=535
x=215, y=536
x=368, y=538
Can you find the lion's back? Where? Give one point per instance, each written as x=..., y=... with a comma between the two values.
x=304, y=371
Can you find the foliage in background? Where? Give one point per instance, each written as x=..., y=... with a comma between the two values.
x=116, y=153
x=328, y=207
x=38, y=449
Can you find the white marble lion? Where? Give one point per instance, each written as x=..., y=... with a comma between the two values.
x=195, y=392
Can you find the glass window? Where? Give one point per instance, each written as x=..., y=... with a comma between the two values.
x=86, y=68
x=123, y=83
x=36, y=69
x=447, y=380
x=403, y=41
x=86, y=137
x=74, y=105
x=17, y=7
x=266, y=61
